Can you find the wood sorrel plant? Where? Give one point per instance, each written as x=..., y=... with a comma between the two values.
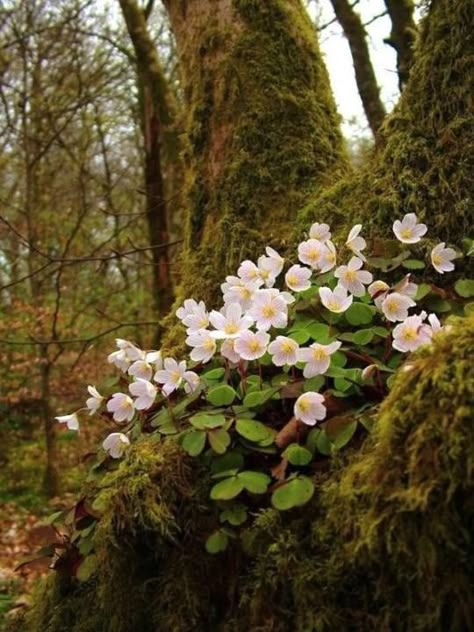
x=287, y=372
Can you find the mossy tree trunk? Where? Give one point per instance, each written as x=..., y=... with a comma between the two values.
x=262, y=129
x=403, y=35
x=426, y=164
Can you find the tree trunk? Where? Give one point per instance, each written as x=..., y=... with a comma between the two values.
x=426, y=164
x=364, y=72
x=155, y=114
x=50, y=479
x=262, y=131
x=403, y=35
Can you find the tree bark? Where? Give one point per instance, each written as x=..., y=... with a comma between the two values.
x=403, y=35
x=262, y=131
x=364, y=72
x=155, y=114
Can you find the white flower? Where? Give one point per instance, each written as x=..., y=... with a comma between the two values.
x=132, y=352
x=119, y=359
x=435, y=323
x=320, y=232
x=266, y=270
x=204, y=345
x=298, y=278
x=328, y=257
x=121, y=406
x=378, y=291
x=274, y=261
x=94, y=402
x=251, y=346
x=442, y=257
x=410, y=334
x=309, y=408
x=143, y=369
x=228, y=351
x=336, y=300
x=174, y=374
x=145, y=392
x=352, y=277
x=269, y=310
x=284, y=351
x=229, y=322
x=355, y=243
x=395, y=306
x=239, y=291
x=408, y=231
x=71, y=421
x=310, y=252
x=193, y=315
x=317, y=357
x=248, y=271
x=116, y=444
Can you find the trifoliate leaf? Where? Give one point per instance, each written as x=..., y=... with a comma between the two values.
x=227, y=489
x=252, y=430
x=222, y=395
x=359, y=314
x=219, y=440
x=297, y=454
x=295, y=493
x=465, y=287
x=254, y=482
x=203, y=421
x=194, y=441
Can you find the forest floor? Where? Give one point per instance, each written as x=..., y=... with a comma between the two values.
x=24, y=509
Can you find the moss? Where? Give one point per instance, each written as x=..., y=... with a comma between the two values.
x=387, y=543
x=427, y=163
x=263, y=135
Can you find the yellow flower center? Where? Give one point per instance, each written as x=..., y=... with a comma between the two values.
x=287, y=346
x=231, y=328
x=269, y=311
x=437, y=260
x=319, y=354
x=292, y=279
x=391, y=305
x=303, y=405
x=264, y=274
x=254, y=345
x=409, y=334
x=124, y=403
x=333, y=305
x=203, y=323
x=209, y=345
x=350, y=275
x=406, y=233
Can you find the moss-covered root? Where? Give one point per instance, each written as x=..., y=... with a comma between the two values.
x=262, y=132
x=427, y=164
x=150, y=550
x=388, y=543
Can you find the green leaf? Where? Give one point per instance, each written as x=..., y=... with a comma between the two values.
x=297, y=454
x=227, y=489
x=222, y=395
x=342, y=384
x=319, y=332
x=87, y=568
x=203, y=421
x=323, y=444
x=217, y=542
x=314, y=383
x=465, y=287
x=214, y=374
x=254, y=482
x=339, y=358
x=423, y=290
x=194, y=442
x=381, y=331
x=228, y=461
x=301, y=336
x=363, y=336
x=257, y=398
x=359, y=314
x=252, y=430
x=413, y=264
x=219, y=440
x=295, y=493
x=235, y=515
x=343, y=434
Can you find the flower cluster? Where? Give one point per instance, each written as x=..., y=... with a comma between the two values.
x=253, y=325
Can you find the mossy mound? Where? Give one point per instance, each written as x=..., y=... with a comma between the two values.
x=385, y=544
x=390, y=544
x=427, y=163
